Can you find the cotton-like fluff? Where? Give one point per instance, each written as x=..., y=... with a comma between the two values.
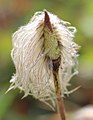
x=33, y=50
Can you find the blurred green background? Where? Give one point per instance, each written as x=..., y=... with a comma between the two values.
x=15, y=13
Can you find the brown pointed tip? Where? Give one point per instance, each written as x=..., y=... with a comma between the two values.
x=47, y=21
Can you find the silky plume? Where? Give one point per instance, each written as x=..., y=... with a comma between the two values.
x=45, y=58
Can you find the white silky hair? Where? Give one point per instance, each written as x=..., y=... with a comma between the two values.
x=33, y=74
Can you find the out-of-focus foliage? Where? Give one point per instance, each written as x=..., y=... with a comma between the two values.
x=15, y=13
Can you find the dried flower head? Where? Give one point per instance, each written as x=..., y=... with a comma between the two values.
x=41, y=46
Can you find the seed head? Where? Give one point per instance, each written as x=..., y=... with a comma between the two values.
x=44, y=39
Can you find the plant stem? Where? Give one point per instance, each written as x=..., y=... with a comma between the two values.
x=60, y=102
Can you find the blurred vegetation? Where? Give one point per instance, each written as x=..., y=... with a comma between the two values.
x=15, y=13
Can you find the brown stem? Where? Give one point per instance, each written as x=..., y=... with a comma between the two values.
x=60, y=102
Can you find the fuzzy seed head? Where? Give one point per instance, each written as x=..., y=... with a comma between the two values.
x=35, y=45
